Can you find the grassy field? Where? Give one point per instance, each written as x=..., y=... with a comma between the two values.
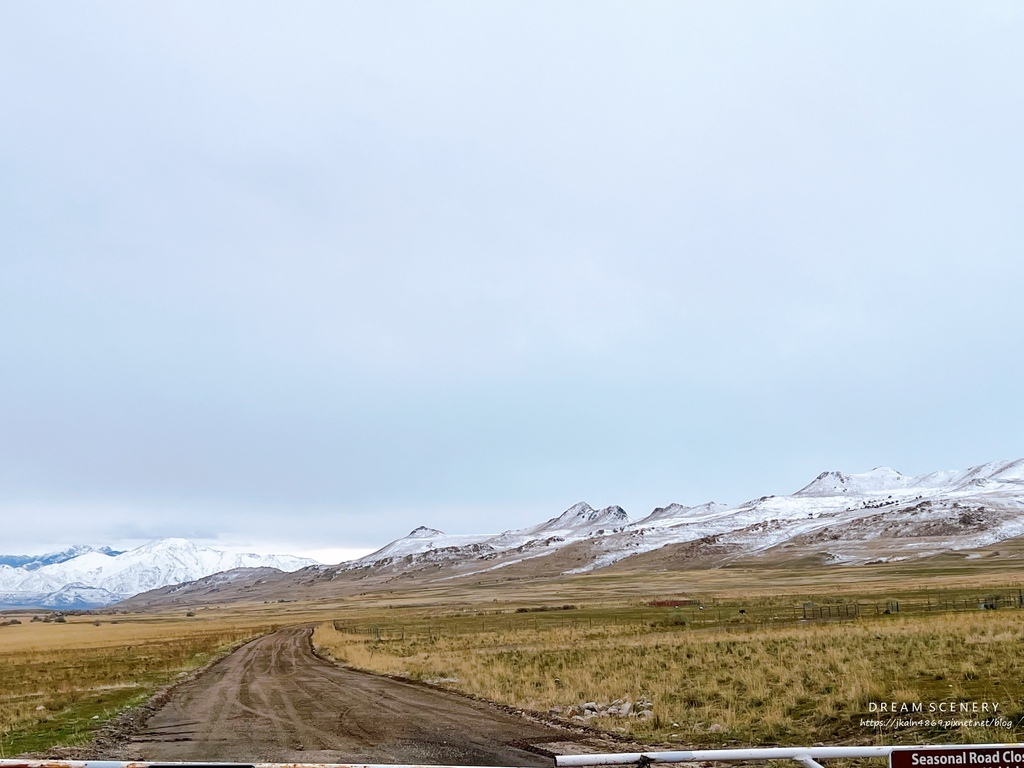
x=726, y=672
x=60, y=681
x=723, y=657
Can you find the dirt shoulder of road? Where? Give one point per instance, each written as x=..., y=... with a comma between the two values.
x=579, y=738
x=273, y=699
x=112, y=737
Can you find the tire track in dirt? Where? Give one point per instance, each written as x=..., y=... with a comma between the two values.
x=274, y=700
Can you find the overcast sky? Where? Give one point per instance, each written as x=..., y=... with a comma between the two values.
x=300, y=276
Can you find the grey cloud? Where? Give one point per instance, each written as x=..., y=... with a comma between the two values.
x=384, y=262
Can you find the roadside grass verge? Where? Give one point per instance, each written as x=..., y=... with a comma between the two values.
x=730, y=684
x=59, y=683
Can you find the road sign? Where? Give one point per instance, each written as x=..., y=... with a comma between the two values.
x=952, y=757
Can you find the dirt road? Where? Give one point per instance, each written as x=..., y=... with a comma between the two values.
x=273, y=700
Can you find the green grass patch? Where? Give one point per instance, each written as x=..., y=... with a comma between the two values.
x=73, y=725
x=51, y=694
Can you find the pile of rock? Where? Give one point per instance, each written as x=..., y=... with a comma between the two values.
x=582, y=713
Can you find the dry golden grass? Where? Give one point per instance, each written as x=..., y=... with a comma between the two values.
x=60, y=681
x=785, y=685
x=789, y=684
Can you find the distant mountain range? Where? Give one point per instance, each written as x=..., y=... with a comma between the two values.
x=83, y=577
x=846, y=518
x=31, y=562
x=836, y=519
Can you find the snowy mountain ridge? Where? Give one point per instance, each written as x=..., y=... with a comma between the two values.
x=837, y=518
x=579, y=522
x=844, y=517
x=31, y=562
x=93, y=577
x=854, y=518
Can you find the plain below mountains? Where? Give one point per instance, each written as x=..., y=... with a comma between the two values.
x=836, y=519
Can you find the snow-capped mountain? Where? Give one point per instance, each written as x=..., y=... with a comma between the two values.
x=31, y=562
x=838, y=517
x=75, y=596
x=427, y=546
x=93, y=577
x=854, y=518
x=418, y=542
